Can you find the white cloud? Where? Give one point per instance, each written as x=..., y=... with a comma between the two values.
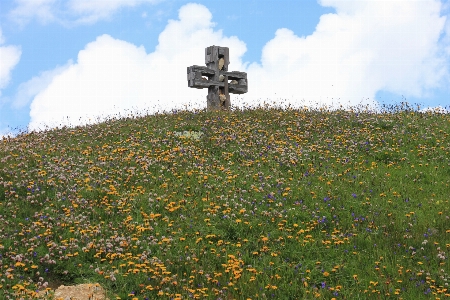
x=28, y=90
x=111, y=76
x=43, y=10
x=5, y=133
x=94, y=10
x=9, y=57
x=365, y=47
x=70, y=12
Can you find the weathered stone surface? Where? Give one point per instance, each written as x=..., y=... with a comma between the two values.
x=222, y=98
x=220, y=82
x=222, y=78
x=86, y=291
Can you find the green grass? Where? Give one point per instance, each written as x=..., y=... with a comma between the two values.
x=266, y=203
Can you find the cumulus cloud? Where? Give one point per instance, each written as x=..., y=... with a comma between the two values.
x=111, y=76
x=28, y=90
x=69, y=12
x=9, y=57
x=365, y=47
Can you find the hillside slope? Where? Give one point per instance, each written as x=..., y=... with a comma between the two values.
x=265, y=203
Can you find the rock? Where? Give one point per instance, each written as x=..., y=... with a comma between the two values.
x=234, y=82
x=222, y=98
x=85, y=291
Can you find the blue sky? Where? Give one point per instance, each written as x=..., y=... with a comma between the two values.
x=72, y=62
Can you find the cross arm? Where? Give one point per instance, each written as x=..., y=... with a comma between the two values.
x=194, y=77
x=241, y=86
x=238, y=84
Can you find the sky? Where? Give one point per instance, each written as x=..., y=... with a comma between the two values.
x=76, y=62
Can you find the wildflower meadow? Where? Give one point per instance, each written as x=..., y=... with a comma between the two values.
x=263, y=203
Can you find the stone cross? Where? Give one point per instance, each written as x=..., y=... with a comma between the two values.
x=217, y=79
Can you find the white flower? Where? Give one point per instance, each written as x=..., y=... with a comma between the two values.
x=195, y=135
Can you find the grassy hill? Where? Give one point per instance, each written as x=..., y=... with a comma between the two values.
x=254, y=204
